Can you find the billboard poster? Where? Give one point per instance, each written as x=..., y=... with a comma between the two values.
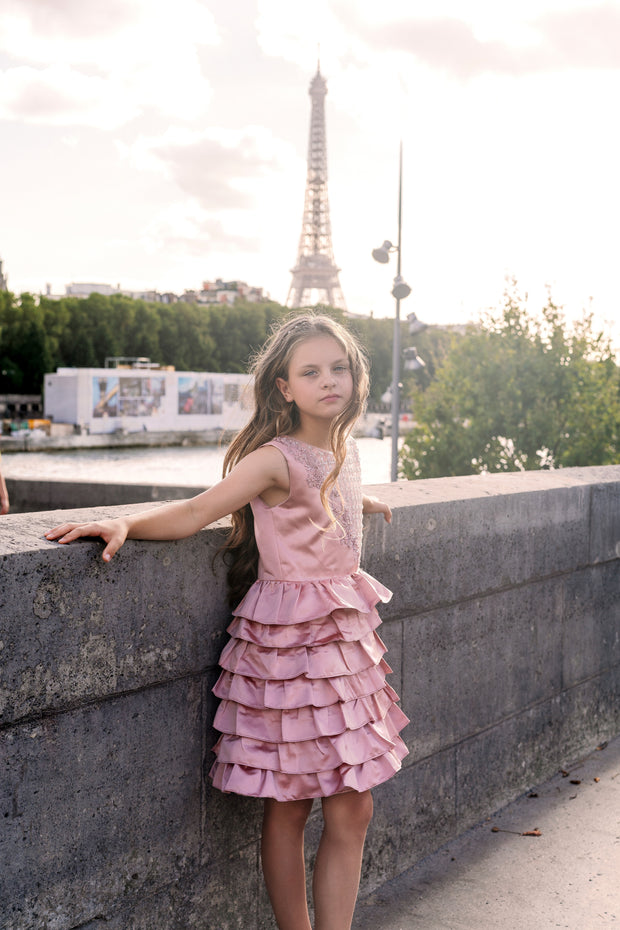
x=239, y=394
x=200, y=394
x=105, y=396
x=116, y=396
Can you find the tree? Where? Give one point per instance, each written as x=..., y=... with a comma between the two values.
x=25, y=352
x=518, y=392
x=238, y=331
x=184, y=339
x=38, y=335
x=376, y=336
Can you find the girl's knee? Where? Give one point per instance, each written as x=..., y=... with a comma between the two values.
x=286, y=815
x=349, y=812
x=364, y=809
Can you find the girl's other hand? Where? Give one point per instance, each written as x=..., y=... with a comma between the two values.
x=113, y=533
x=374, y=505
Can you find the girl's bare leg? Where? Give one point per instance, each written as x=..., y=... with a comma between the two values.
x=282, y=852
x=339, y=859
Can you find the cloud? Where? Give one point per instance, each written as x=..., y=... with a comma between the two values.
x=224, y=190
x=185, y=230
x=103, y=63
x=73, y=18
x=450, y=45
x=577, y=38
x=584, y=38
x=211, y=172
x=218, y=169
x=37, y=29
x=62, y=96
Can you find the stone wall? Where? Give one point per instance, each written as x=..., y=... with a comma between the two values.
x=504, y=638
x=27, y=495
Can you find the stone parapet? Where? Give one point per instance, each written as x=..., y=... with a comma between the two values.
x=503, y=634
x=29, y=495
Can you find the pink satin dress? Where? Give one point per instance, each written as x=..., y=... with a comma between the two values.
x=305, y=709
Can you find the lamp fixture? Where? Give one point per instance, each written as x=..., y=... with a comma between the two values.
x=401, y=289
x=413, y=362
x=382, y=254
x=415, y=325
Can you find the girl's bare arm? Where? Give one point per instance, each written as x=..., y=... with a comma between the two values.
x=263, y=469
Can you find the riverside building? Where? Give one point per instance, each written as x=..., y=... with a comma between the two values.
x=132, y=395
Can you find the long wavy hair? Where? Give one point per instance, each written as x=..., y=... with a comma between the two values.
x=274, y=416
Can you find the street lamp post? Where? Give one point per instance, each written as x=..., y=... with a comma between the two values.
x=400, y=290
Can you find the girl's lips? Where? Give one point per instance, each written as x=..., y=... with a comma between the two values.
x=331, y=397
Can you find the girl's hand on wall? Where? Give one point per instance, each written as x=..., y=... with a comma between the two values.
x=113, y=533
x=374, y=505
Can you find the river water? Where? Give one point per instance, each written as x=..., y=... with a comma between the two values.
x=195, y=466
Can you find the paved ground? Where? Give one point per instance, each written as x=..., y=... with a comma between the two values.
x=567, y=877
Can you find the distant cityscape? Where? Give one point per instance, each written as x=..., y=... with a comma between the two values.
x=211, y=292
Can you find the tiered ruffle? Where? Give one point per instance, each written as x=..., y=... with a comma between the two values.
x=305, y=708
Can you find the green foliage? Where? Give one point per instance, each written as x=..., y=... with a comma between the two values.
x=376, y=337
x=517, y=392
x=40, y=335
x=24, y=347
x=239, y=331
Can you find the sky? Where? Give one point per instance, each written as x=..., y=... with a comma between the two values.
x=157, y=145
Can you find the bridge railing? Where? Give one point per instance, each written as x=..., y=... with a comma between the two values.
x=503, y=634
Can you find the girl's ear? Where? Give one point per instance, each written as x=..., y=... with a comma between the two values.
x=283, y=387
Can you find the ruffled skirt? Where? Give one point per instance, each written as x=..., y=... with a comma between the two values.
x=305, y=708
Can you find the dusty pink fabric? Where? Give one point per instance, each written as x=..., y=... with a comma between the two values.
x=305, y=709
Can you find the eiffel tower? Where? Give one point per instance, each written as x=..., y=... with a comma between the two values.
x=315, y=275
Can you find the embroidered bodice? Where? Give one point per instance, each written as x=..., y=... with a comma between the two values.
x=296, y=538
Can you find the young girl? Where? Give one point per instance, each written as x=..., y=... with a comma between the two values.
x=305, y=710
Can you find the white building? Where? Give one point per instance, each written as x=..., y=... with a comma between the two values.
x=81, y=289
x=213, y=292
x=107, y=400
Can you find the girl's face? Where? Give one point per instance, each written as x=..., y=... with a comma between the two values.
x=319, y=378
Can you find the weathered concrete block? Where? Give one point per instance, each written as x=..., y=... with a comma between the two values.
x=391, y=632
x=200, y=901
x=228, y=822
x=96, y=629
x=591, y=638
x=469, y=666
x=415, y=813
x=449, y=550
x=30, y=495
x=104, y=806
x=605, y=522
x=590, y=713
x=497, y=765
